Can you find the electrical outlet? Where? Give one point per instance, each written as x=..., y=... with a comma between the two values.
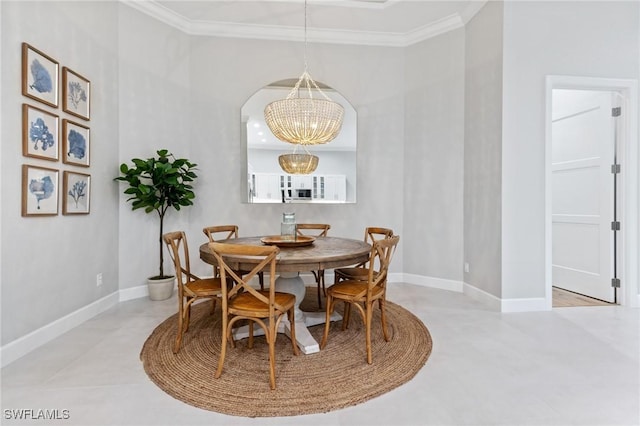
x=466, y=267
x=99, y=279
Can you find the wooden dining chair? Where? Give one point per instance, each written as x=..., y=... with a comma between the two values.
x=226, y=232
x=364, y=294
x=361, y=271
x=316, y=230
x=243, y=302
x=190, y=287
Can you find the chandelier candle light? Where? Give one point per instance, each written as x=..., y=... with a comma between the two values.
x=301, y=119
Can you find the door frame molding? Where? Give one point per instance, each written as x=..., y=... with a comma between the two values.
x=630, y=178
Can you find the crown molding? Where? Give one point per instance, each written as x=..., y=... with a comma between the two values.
x=314, y=35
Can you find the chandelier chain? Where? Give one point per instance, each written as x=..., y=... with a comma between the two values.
x=301, y=118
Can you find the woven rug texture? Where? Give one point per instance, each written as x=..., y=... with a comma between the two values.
x=336, y=377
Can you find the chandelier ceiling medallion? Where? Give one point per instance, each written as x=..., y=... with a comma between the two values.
x=300, y=118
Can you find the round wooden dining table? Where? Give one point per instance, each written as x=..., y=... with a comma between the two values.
x=324, y=253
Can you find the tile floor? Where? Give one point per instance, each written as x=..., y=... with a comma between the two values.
x=569, y=366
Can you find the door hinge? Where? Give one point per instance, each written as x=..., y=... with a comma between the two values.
x=615, y=282
x=615, y=168
x=615, y=226
x=615, y=112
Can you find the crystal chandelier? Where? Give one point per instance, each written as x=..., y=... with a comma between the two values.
x=298, y=164
x=300, y=118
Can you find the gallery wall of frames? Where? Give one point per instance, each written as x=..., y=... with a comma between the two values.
x=59, y=136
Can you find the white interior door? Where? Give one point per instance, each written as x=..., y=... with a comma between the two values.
x=583, y=141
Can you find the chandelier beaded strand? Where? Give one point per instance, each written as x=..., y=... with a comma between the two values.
x=304, y=120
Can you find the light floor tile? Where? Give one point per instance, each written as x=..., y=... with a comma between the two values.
x=568, y=366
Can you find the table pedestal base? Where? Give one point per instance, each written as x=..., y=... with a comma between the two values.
x=291, y=282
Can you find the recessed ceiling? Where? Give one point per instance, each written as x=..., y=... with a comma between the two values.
x=370, y=22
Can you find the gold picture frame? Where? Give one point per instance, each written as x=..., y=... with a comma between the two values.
x=40, y=133
x=76, y=143
x=76, y=193
x=40, y=76
x=76, y=94
x=39, y=191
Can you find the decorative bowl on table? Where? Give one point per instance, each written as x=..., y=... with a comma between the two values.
x=280, y=241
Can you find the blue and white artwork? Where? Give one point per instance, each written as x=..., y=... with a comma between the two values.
x=40, y=133
x=76, y=93
x=39, y=76
x=40, y=191
x=76, y=143
x=77, y=187
x=78, y=192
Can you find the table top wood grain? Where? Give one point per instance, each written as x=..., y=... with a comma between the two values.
x=324, y=253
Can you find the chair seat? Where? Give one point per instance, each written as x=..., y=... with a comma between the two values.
x=246, y=303
x=205, y=286
x=351, y=288
x=361, y=274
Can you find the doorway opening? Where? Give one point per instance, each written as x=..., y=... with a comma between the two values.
x=591, y=189
x=584, y=197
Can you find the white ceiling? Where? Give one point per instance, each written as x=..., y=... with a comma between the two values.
x=369, y=22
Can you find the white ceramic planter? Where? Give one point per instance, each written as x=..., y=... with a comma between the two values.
x=161, y=289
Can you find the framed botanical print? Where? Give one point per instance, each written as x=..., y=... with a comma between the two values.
x=39, y=191
x=76, y=190
x=75, y=143
x=39, y=76
x=39, y=133
x=76, y=94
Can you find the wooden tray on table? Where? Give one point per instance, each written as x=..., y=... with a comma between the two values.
x=278, y=240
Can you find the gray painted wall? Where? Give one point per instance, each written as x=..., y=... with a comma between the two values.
x=155, y=113
x=185, y=93
x=433, y=158
x=591, y=39
x=50, y=263
x=482, y=149
x=369, y=77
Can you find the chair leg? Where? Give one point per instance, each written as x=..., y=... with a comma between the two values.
x=187, y=316
x=319, y=275
x=178, y=342
x=261, y=280
x=368, y=317
x=347, y=316
x=226, y=329
x=327, y=323
x=271, y=338
x=250, y=344
x=383, y=318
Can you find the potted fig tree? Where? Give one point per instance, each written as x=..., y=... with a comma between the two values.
x=155, y=185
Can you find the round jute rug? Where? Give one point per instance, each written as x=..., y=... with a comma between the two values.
x=336, y=377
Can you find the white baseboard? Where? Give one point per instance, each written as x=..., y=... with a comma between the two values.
x=432, y=282
x=25, y=344
x=133, y=293
x=488, y=299
x=531, y=304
